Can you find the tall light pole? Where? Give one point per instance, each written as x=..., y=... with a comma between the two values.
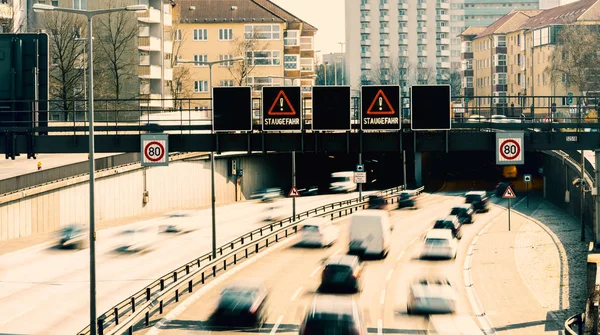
x=213, y=199
x=90, y=14
x=343, y=61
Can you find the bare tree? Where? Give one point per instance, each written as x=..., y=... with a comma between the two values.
x=424, y=75
x=181, y=74
x=242, y=46
x=576, y=58
x=116, y=35
x=455, y=82
x=66, y=51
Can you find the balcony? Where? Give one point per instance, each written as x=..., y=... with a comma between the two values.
x=403, y=53
x=421, y=29
x=422, y=65
x=422, y=5
x=366, y=54
x=155, y=101
x=365, y=42
x=384, y=6
x=443, y=29
x=402, y=30
x=402, y=5
x=385, y=41
x=403, y=41
x=168, y=74
x=442, y=17
x=6, y=11
x=168, y=47
x=444, y=53
x=443, y=5
x=421, y=17
x=402, y=17
x=442, y=41
x=443, y=65
x=365, y=30
x=366, y=18
x=145, y=88
x=422, y=53
x=384, y=18
x=366, y=66
x=385, y=65
x=385, y=54
x=365, y=6
x=152, y=15
x=168, y=20
x=384, y=30
x=149, y=43
x=421, y=41
x=149, y=71
x=144, y=31
x=144, y=60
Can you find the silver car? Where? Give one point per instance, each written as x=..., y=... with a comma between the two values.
x=72, y=236
x=431, y=295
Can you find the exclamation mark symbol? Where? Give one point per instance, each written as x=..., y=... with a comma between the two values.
x=281, y=104
x=380, y=103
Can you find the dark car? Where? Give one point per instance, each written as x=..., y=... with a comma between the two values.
x=450, y=222
x=376, y=201
x=343, y=273
x=242, y=303
x=311, y=190
x=478, y=199
x=501, y=188
x=464, y=212
x=333, y=315
x=72, y=236
x=407, y=199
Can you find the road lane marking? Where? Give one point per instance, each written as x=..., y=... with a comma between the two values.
x=296, y=294
x=379, y=327
x=382, y=297
x=336, y=252
x=400, y=255
x=315, y=271
x=389, y=276
x=276, y=325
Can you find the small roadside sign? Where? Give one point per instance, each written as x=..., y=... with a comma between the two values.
x=360, y=168
x=360, y=177
x=294, y=192
x=509, y=193
x=155, y=149
x=527, y=178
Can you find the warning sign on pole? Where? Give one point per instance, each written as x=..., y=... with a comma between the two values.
x=155, y=149
x=294, y=192
x=509, y=194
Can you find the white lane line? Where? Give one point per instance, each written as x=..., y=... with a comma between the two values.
x=400, y=255
x=296, y=294
x=379, y=327
x=382, y=297
x=389, y=276
x=276, y=325
x=315, y=271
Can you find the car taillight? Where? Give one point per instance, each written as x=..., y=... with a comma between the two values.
x=484, y=201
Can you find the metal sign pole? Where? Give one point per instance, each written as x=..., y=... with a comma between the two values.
x=527, y=188
x=294, y=185
x=508, y=214
x=360, y=184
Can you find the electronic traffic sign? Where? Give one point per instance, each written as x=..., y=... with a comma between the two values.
x=380, y=107
x=232, y=108
x=281, y=108
x=430, y=107
x=331, y=108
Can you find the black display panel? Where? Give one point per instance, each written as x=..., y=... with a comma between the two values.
x=430, y=107
x=380, y=107
x=281, y=108
x=331, y=108
x=232, y=108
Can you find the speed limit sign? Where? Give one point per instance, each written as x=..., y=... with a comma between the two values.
x=155, y=150
x=509, y=150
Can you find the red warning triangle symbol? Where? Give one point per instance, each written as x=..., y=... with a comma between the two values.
x=509, y=194
x=281, y=105
x=380, y=105
x=294, y=192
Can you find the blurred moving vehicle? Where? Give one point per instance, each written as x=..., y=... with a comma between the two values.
x=333, y=315
x=377, y=201
x=407, y=199
x=72, y=236
x=475, y=118
x=464, y=212
x=478, y=199
x=275, y=212
x=431, y=295
x=450, y=222
x=242, y=303
x=501, y=188
x=452, y=325
x=268, y=194
x=439, y=243
x=370, y=233
x=311, y=190
x=342, y=273
x=136, y=240
x=342, y=182
x=178, y=223
x=319, y=231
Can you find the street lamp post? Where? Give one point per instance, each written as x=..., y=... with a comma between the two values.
x=212, y=153
x=90, y=14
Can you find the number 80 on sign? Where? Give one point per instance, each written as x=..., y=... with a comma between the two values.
x=509, y=149
x=155, y=150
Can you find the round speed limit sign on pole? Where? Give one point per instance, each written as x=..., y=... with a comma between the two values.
x=155, y=150
x=510, y=150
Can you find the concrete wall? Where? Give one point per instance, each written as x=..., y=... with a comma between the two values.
x=181, y=185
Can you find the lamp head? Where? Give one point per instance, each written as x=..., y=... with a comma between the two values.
x=137, y=8
x=40, y=8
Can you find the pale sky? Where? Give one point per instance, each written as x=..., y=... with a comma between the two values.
x=326, y=15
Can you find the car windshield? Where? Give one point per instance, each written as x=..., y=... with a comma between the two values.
x=436, y=241
x=473, y=197
x=341, y=269
x=443, y=225
x=404, y=196
x=339, y=179
x=311, y=229
x=329, y=326
x=457, y=211
x=235, y=297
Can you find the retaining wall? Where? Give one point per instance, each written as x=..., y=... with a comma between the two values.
x=119, y=193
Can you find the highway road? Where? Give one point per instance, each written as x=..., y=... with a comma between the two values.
x=293, y=275
x=46, y=291
x=21, y=165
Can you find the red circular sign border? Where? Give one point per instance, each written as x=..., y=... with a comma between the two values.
x=162, y=154
x=508, y=157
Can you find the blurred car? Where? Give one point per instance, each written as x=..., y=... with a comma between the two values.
x=72, y=236
x=242, y=303
x=501, y=188
x=478, y=199
x=136, y=240
x=275, y=212
x=439, y=243
x=370, y=233
x=376, y=201
x=271, y=194
x=177, y=223
x=476, y=119
x=342, y=272
x=431, y=295
x=450, y=222
x=342, y=182
x=319, y=231
x=311, y=190
x=329, y=314
x=464, y=212
x=407, y=199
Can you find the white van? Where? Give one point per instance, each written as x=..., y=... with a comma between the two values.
x=370, y=233
x=342, y=182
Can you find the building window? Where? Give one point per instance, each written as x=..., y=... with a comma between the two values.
x=500, y=79
x=200, y=59
x=200, y=34
x=257, y=83
x=225, y=64
x=227, y=83
x=306, y=43
x=500, y=60
x=177, y=36
x=263, y=58
x=200, y=86
x=225, y=34
x=79, y=4
x=500, y=41
x=262, y=32
x=306, y=64
x=291, y=38
x=54, y=2
x=291, y=62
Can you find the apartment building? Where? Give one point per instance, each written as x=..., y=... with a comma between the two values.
x=511, y=56
x=277, y=47
x=13, y=15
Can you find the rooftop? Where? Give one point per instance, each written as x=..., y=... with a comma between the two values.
x=509, y=22
x=583, y=10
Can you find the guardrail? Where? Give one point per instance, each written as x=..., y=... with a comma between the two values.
x=153, y=298
x=578, y=320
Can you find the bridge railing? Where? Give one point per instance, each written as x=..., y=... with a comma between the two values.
x=170, y=287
